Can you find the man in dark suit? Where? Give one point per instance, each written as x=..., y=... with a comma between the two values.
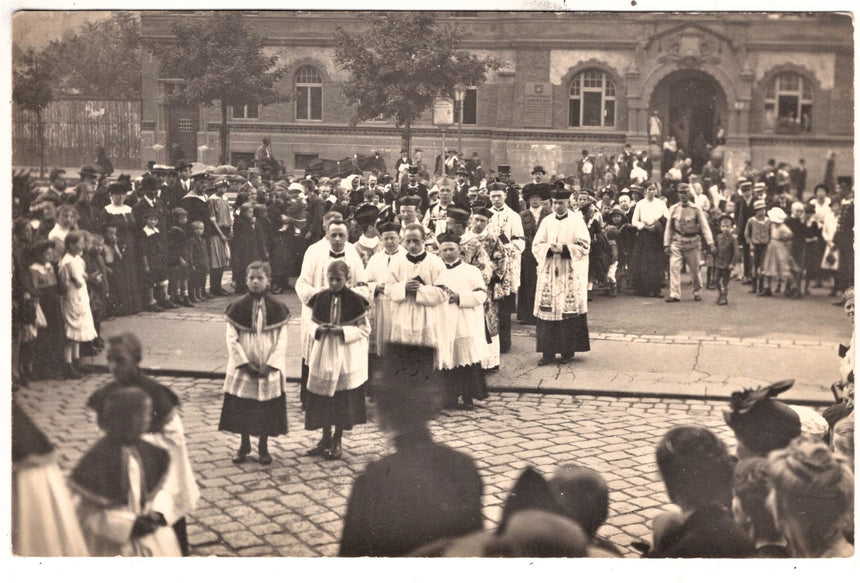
x=585, y=171
x=424, y=491
x=476, y=169
x=535, y=195
x=415, y=188
x=461, y=187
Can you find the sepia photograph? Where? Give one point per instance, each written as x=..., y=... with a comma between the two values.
x=525, y=282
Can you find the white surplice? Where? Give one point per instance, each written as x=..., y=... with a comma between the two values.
x=462, y=339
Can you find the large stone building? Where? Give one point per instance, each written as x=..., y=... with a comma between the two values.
x=777, y=85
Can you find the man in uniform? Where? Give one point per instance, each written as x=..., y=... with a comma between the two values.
x=506, y=225
x=415, y=188
x=682, y=242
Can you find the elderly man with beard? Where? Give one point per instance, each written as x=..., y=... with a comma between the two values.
x=561, y=247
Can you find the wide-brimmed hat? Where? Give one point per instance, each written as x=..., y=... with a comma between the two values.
x=542, y=190
x=776, y=215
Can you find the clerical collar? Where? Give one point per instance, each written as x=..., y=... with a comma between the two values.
x=336, y=255
x=561, y=217
x=393, y=253
x=453, y=265
x=416, y=259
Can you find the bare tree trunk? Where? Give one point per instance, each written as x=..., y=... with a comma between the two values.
x=222, y=134
x=41, y=131
x=406, y=137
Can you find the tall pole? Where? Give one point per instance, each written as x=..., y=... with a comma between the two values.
x=459, y=94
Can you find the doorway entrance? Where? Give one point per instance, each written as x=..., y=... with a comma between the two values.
x=693, y=107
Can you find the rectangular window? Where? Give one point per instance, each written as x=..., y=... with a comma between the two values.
x=574, y=113
x=788, y=107
x=308, y=103
x=316, y=103
x=470, y=108
x=247, y=111
x=609, y=113
x=302, y=97
x=591, y=108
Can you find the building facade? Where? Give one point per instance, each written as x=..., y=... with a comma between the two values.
x=769, y=85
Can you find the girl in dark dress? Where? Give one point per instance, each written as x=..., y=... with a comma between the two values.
x=125, y=284
x=48, y=345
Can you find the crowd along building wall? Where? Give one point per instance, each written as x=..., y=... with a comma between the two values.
x=774, y=85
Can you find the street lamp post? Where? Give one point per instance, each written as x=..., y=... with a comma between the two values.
x=459, y=94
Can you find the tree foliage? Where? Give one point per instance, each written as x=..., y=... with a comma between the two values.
x=100, y=60
x=221, y=60
x=401, y=63
x=32, y=80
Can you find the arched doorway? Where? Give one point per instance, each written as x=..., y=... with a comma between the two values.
x=693, y=107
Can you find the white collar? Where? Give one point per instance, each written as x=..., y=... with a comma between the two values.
x=118, y=210
x=368, y=242
x=149, y=231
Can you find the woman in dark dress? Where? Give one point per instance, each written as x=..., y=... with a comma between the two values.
x=648, y=261
x=48, y=345
x=125, y=284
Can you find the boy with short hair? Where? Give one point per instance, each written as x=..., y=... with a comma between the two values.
x=254, y=397
x=757, y=235
x=154, y=258
x=178, y=258
x=198, y=261
x=727, y=253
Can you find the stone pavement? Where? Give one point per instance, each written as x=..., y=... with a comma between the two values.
x=639, y=347
x=295, y=506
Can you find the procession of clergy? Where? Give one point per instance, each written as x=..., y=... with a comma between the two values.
x=449, y=275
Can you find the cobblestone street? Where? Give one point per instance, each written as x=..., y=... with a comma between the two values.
x=295, y=506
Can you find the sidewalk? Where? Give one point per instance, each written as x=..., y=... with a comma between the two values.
x=697, y=365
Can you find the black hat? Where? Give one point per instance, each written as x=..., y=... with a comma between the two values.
x=482, y=211
x=560, y=194
x=587, y=191
x=389, y=227
x=89, y=170
x=149, y=182
x=366, y=214
x=448, y=237
x=538, y=169
x=761, y=423
x=845, y=180
x=541, y=190
x=493, y=186
x=413, y=169
x=118, y=188
x=459, y=215
x=180, y=164
x=409, y=201
x=461, y=170
x=504, y=168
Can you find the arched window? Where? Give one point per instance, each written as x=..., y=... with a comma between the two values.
x=788, y=104
x=308, y=94
x=592, y=100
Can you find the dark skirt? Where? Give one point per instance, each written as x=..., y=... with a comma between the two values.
x=254, y=417
x=647, y=263
x=528, y=285
x=563, y=336
x=125, y=285
x=465, y=381
x=345, y=409
x=49, y=342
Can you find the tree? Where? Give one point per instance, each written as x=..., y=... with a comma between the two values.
x=401, y=63
x=101, y=60
x=32, y=90
x=220, y=60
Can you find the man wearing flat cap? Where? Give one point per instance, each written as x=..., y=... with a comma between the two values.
x=561, y=248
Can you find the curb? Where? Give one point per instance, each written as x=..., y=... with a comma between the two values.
x=513, y=389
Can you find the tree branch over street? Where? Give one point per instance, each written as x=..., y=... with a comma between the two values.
x=220, y=59
x=401, y=63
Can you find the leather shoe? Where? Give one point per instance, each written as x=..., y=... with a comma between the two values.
x=335, y=452
x=320, y=448
x=465, y=406
x=240, y=457
x=544, y=361
x=566, y=359
x=672, y=299
x=265, y=459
